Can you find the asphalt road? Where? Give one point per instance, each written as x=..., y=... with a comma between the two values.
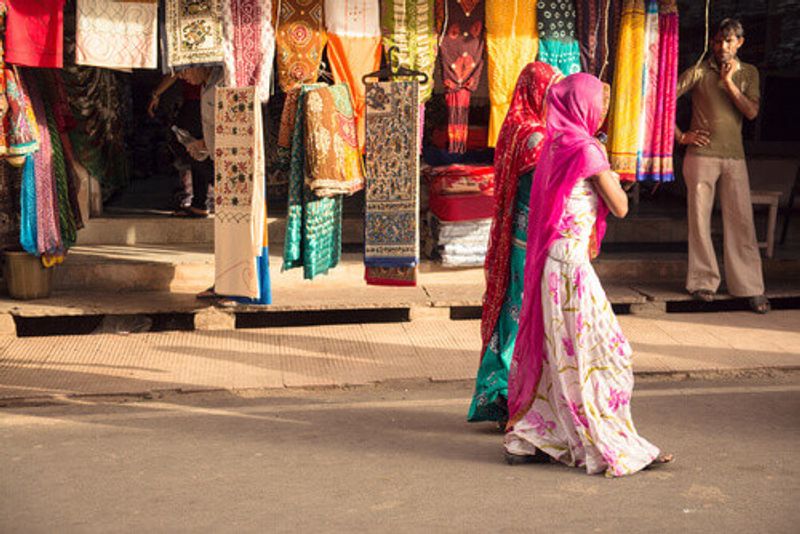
x=391, y=458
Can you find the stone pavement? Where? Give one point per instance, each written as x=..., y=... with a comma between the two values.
x=341, y=355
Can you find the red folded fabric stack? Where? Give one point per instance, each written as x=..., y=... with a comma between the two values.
x=461, y=192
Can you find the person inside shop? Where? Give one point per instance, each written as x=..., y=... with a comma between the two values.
x=201, y=149
x=187, y=119
x=724, y=90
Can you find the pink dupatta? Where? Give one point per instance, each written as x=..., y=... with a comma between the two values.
x=576, y=108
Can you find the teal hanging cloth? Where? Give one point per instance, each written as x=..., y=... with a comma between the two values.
x=28, y=236
x=557, y=43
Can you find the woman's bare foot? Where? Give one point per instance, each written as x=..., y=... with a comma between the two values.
x=663, y=458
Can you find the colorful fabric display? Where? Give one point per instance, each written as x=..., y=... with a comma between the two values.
x=116, y=35
x=19, y=127
x=557, y=44
x=313, y=224
x=194, y=32
x=461, y=50
x=391, y=226
x=300, y=40
x=240, y=240
x=468, y=207
x=511, y=43
x=249, y=44
x=9, y=205
x=410, y=25
x=35, y=33
x=626, y=99
x=333, y=159
x=659, y=88
x=354, y=48
x=48, y=231
x=591, y=23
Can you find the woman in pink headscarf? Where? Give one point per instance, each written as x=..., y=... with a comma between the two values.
x=571, y=380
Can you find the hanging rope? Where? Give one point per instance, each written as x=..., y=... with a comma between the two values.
x=705, y=41
x=605, y=40
x=445, y=22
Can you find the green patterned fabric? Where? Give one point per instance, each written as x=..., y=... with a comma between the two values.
x=66, y=218
x=313, y=225
x=410, y=25
x=491, y=384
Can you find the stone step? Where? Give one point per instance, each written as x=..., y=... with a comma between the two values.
x=190, y=268
x=164, y=229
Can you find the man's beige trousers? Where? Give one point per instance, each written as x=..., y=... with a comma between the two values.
x=741, y=255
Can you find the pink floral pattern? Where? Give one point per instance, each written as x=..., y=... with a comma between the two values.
x=587, y=379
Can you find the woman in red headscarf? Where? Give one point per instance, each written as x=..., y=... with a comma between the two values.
x=571, y=380
x=517, y=152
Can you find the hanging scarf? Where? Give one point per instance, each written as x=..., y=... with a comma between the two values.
x=655, y=160
x=461, y=50
x=333, y=159
x=249, y=44
x=391, y=224
x=19, y=122
x=516, y=154
x=591, y=23
x=313, y=225
x=626, y=100
x=557, y=43
x=48, y=230
x=575, y=110
x=9, y=205
x=511, y=42
x=410, y=25
x=117, y=35
x=300, y=40
x=239, y=197
x=194, y=32
x=354, y=48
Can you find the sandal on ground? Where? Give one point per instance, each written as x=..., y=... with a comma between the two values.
x=190, y=213
x=207, y=294
x=661, y=459
x=539, y=457
x=703, y=295
x=759, y=304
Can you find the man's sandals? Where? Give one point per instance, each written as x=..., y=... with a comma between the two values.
x=759, y=304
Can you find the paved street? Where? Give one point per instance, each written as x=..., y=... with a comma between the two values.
x=397, y=457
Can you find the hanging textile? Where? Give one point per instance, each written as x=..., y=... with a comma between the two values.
x=333, y=159
x=300, y=40
x=461, y=59
x=116, y=35
x=47, y=226
x=661, y=76
x=626, y=98
x=511, y=43
x=35, y=33
x=313, y=224
x=354, y=48
x=557, y=44
x=194, y=32
x=391, y=226
x=19, y=124
x=591, y=25
x=239, y=195
x=410, y=25
x=9, y=205
x=249, y=44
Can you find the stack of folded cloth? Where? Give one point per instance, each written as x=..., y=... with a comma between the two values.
x=461, y=206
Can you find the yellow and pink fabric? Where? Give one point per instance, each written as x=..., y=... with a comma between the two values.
x=354, y=48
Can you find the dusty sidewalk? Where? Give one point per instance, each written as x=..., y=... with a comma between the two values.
x=338, y=355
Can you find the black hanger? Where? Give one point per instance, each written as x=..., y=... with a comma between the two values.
x=393, y=69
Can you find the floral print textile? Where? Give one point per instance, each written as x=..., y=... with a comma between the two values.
x=581, y=414
x=194, y=32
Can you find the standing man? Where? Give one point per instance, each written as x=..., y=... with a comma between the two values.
x=723, y=90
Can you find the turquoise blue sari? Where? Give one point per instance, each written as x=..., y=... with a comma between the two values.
x=491, y=384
